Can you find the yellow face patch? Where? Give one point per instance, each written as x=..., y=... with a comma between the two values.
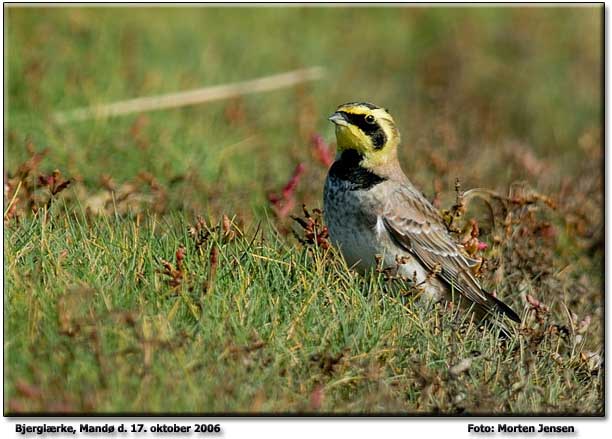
x=367, y=129
x=351, y=137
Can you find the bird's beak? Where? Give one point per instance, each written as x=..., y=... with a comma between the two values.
x=338, y=119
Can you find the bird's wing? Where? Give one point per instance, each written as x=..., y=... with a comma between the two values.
x=416, y=226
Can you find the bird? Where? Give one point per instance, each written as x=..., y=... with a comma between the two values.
x=375, y=215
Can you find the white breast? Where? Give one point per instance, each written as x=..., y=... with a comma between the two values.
x=379, y=229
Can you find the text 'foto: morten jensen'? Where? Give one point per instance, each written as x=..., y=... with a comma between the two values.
x=519, y=428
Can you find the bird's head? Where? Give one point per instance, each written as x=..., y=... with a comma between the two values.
x=367, y=129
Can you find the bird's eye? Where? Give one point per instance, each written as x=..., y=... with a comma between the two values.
x=370, y=119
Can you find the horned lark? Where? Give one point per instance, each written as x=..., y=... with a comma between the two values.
x=372, y=210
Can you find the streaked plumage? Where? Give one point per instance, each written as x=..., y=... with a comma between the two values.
x=371, y=208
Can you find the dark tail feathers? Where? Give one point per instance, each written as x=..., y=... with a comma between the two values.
x=504, y=309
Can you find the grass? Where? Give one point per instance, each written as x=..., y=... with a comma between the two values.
x=118, y=299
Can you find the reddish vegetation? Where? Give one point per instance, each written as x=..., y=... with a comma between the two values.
x=54, y=182
x=317, y=397
x=322, y=151
x=314, y=232
x=175, y=273
x=22, y=190
x=471, y=243
x=538, y=308
x=284, y=202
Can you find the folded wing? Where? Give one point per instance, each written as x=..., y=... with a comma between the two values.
x=417, y=227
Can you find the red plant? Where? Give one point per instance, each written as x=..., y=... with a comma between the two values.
x=317, y=397
x=322, y=152
x=284, y=202
x=55, y=182
x=175, y=275
x=540, y=310
x=315, y=233
x=471, y=244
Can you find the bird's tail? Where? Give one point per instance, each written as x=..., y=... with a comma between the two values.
x=495, y=313
x=504, y=309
